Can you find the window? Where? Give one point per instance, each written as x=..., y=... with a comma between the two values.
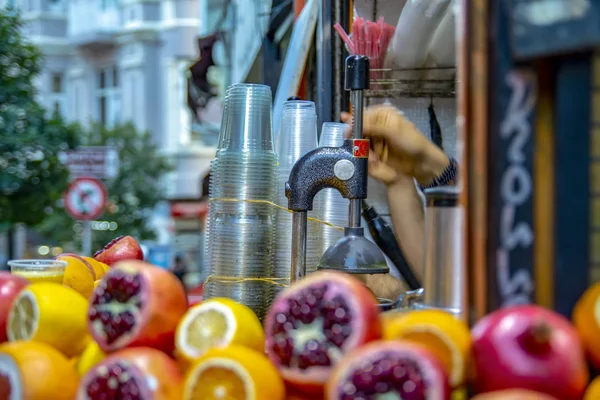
x=109, y=96
x=57, y=83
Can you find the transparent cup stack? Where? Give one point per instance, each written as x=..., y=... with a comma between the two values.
x=241, y=226
x=297, y=136
x=332, y=206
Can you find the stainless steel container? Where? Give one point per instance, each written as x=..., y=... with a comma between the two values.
x=444, y=270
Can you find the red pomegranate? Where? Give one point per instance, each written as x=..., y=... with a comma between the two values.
x=136, y=304
x=514, y=394
x=390, y=369
x=136, y=374
x=10, y=286
x=314, y=322
x=528, y=347
x=120, y=249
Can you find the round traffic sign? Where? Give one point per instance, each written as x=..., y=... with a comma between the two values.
x=85, y=198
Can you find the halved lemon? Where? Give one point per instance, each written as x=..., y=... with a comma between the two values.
x=234, y=372
x=217, y=322
x=91, y=356
x=440, y=332
x=50, y=313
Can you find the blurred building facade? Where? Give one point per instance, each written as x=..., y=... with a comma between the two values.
x=113, y=61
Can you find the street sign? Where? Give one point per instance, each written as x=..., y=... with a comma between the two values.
x=85, y=198
x=100, y=162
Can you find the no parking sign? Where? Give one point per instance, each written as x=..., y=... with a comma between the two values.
x=85, y=198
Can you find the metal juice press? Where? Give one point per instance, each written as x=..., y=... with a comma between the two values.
x=343, y=168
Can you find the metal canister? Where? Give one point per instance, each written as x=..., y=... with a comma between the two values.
x=444, y=269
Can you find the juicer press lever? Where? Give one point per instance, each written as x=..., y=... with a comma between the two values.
x=344, y=169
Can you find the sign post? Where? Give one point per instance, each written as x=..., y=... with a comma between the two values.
x=85, y=200
x=100, y=162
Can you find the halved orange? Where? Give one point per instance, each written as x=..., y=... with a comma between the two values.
x=593, y=390
x=586, y=318
x=445, y=336
x=217, y=322
x=234, y=372
x=35, y=371
x=50, y=313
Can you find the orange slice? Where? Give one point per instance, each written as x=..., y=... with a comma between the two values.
x=36, y=371
x=586, y=318
x=217, y=323
x=79, y=275
x=445, y=336
x=50, y=313
x=233, y=372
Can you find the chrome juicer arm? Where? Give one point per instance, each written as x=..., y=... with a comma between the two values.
x=343, y=168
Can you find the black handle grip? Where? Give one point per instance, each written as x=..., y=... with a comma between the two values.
x=357, y=73
x=384, y=237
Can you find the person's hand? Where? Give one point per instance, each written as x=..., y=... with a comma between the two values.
x=398, y=148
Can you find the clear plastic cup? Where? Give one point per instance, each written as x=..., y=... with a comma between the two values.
x=39, y=270
x=297, y=132
x=332, y=134
x=246, y=123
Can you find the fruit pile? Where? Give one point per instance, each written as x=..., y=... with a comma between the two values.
x=133, y=336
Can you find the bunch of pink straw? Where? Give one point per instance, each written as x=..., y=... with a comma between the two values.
x=369, y=39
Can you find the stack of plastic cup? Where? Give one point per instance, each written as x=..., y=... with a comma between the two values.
x=333, y=207
x=297, y=136
x=241, y=222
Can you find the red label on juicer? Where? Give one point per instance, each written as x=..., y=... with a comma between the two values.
x=360, y=148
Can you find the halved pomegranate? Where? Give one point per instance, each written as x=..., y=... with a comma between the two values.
x=314, y=322
x=134, y=374
x=120, y=249
x=10, y=379
x=136, y=304
x=394, y=369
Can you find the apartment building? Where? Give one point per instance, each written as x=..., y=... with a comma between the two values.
x=114, y=61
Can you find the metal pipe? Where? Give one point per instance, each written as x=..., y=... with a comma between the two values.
x=324, y=63
x=354, y=213
x=357, y=98
x=298, y=264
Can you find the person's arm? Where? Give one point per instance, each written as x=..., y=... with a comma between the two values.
x=406, y=209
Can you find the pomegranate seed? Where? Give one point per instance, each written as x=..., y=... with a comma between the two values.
x=117, y=383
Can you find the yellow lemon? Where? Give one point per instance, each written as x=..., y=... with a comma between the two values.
x=217, y=322
x=50, y=313
x=234, y=372
x=91, y=356
x=79, y=274
x=440, y=332
x=98, y=266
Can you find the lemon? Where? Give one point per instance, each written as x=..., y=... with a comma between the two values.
x=440, y=332
x=217, y=322
x=91, y=356
x=233, y=372
x=50, y=313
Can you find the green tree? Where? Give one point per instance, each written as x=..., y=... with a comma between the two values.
x=132, y=194
x=31, y=177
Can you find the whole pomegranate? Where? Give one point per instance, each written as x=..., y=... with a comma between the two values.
x=513, y=394
x=120, y=249
x=389, y=369
x=136, y=304
x=135, y=374
x=314, y=322
x=528, y=347
x=10, y=286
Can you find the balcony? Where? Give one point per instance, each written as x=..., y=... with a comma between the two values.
x=93, y=24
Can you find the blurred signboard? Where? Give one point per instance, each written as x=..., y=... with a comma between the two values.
x=547, y=27
x=101, y=162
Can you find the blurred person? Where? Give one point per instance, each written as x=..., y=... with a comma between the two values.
x=179, y=268
x=405, y=161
